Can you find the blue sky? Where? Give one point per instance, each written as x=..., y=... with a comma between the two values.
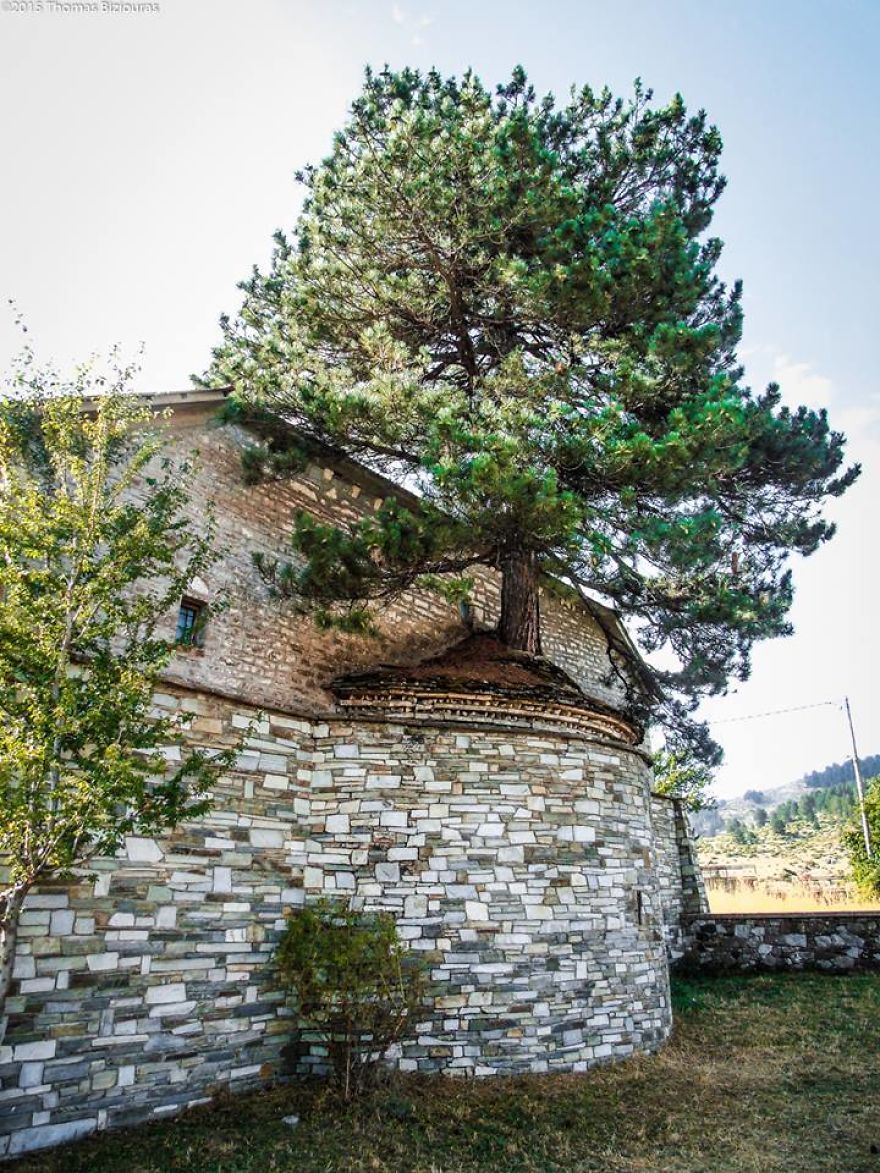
x=148, y=157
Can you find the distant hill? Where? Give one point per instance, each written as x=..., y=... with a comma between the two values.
x=842, y=772
x=830, y=791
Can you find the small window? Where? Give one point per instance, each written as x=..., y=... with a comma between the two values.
x=191, y=623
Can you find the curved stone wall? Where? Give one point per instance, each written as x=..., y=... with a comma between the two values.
x=521, y=863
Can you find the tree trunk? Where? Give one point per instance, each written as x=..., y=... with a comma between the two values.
x=520, y=623
x=10, y=909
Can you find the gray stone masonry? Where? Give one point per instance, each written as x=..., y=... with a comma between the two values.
x=838, y=942
x=522, y=857
x=522, y=865
x=683, y=894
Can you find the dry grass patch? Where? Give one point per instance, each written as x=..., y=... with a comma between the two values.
x=763, y=1073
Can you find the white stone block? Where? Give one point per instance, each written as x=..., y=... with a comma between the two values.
x=221, y=879
x=266, y=837
x=28, y=1139
x=24, y=966
x=126, y=1074
x=346, y=751
x=338, y=824
x=46, y=900
x=141, y=850
x=30, y=1075
x=271, y=763
x=476, y=911
x=172, y=1009
x=61, y=923
x=490, y=830
x=388, y=873
x=42, y=1049
x=276, y=782
x=101, y=961
x=166, y=917
x=169, y=992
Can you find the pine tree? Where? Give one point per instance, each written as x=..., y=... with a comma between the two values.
x=512, y=306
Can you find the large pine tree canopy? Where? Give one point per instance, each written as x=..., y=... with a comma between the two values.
x=512, y=307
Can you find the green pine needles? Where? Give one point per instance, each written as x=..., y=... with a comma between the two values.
x=511, y=306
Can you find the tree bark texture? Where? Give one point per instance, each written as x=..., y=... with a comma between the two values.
x=520, y=624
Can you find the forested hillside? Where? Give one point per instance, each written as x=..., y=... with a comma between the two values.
x=830, y=791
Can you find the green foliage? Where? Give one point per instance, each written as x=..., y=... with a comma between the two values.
x=681, y=775
x=354, y=984
x=740, y=833
x=839, y=772
x=761, y=817
x=513, y=306
x=95, y=551
x=865, y=868
x=779, y=823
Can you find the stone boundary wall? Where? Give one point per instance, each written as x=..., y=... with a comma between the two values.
x=838, y=942
x=682, y=893
x=522, y=864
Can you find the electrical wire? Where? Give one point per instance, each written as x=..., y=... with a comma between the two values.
x=774, y=712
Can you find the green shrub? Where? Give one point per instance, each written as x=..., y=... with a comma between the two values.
x=353, y=983
x=865, y=869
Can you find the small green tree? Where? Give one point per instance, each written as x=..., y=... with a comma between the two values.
x=95, y=551
x=778, y=823
x=760, y=817
x=681, y=775
x=865, y=868
x=354, y=984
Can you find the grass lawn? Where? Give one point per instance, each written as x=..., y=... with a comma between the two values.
x=762, y=1073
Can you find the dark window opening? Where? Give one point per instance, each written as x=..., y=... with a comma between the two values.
x=191, y=624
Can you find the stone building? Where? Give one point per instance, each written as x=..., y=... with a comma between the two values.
x=499, y=805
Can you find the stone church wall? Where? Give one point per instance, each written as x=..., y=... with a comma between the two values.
x=532, y=870
x=522, y=865
x=260, y=650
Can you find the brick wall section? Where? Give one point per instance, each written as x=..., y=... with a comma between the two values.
x=521, y=864
x=261, y=651
x=683, y=894
x=832, y=942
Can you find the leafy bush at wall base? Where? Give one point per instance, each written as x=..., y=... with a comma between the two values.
x=357, y=991
x=865, y=868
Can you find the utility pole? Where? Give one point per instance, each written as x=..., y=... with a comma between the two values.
x=860, y=787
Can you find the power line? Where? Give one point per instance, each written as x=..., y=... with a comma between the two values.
x=774, y=712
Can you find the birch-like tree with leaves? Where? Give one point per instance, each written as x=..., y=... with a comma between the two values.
x=95, y=551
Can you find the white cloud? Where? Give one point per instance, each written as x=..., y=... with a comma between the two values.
x=417, y=22
x=800, y=383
